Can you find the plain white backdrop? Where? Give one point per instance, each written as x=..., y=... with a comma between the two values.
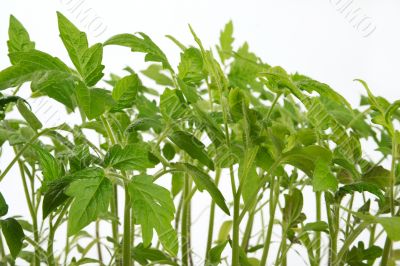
x=333, y=41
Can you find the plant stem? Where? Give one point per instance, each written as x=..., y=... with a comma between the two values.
x=318, y=234
x=388, y=242
x=212, y=217
x=236, y=229
x=127, y=230
x=185, y=222
x=347, y=243
x=99, y=253
x=31, y=210
x=248, y=230
x=273, y=195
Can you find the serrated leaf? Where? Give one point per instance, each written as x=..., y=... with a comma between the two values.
x=145, y=255
x=49, y=75
x=18, y=37
x=172, y=104
x=125, y=91
x=323, y=178
x=194, y=147
x=94, y=102
x=13, y=234
x=191, y=67
x=91, y=199
x=87, y=60
x=141, y=44
x=51, y=168
x=131, y=157
x=225, y=42
x=154, y=72
x=204, y=182
x=153, y=209
x=361, y=187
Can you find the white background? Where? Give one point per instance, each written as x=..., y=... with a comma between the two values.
x=320, y=39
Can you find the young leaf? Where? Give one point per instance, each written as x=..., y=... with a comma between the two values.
x=87, y=60
x=14, y=235
x=191, y=67
x=323, y=178
x=193, y=146
x=125, y=91
x=30, y=117
x=3, y=206
x=391, y=226
x=91, y=198
x=141, y=44
x=226, y=39
x=293, y=207
x=51, y=169
x=132, y=157
x=55, y=195
x=154, y=72
x=224, y=231
x=153, y=209
x=317, y=227
x=146, y=255
x=361, y=187
x=18, y=37
x=215, y=253
x=49, y=75
x=94, y=102
x=172, y=104
x=204, y=182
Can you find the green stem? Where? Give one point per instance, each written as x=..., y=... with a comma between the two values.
x=127, y=230
x=248, y=230
x=274, y=196
x=98, y=242
x=388, y=243
x=185, y=222
x=31, y=208
x=348, y=242
x=212, y=217
x=318, y=234
x=236, y=230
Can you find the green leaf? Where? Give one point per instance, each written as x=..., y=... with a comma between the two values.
x=361, y=187
x=172, y=104
x=131, y=157
x=51, y=169
x=3, y=206
x=55, y=195
x=30, y=117
x=391, y=226
x=316, y=227
x=169, y=151
x=94, y=102
x=323, y=178
x=214, y=255
x=293, y=207
x=125, y=91
x=305, y=158
x=204, y=182
x=224, y=231
x=191, y=67
x=91, y=199
x=378, y=176
x=141, y=44
x=14, y=235
x=87, y=60
x=49, y=75
x=145, y=255
x=154, y=72
x=177, y=183
x=194, y=147
x=237, y=102
x=225, y=42
x=18, y=37
x=153, y=209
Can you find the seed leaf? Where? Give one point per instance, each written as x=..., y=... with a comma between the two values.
x=3, y=206
x=14, y=235
x=193, y=146
x=204, y=182
x=30, y=117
